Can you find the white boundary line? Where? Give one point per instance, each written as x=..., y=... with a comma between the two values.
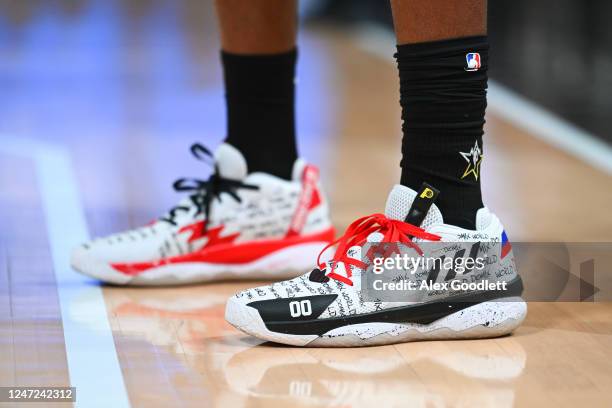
x=90, y=349
x=549, y=127
x=513, y=108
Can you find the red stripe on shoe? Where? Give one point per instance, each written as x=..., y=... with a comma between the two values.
x=227, y=253
x=309, y=199
x=505, y=249
x=213, y=234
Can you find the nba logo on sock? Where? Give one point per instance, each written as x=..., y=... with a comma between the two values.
x=473, y=61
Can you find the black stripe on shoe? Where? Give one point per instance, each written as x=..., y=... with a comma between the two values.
x=298, y=315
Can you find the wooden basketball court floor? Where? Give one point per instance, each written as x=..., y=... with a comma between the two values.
x=101, y=100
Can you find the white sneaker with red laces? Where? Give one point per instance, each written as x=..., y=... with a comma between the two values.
x=344, y=302
x=235, y=225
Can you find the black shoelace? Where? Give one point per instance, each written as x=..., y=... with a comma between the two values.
x=204, y=191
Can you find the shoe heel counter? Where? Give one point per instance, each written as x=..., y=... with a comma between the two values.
x=318, y=218
x=312, y=210
x=507, y=269
x=503, y=267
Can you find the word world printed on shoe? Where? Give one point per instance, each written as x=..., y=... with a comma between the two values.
x=431, y=291
x=235, y=225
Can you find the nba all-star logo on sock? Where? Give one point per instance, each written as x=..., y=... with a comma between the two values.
x=474, y=158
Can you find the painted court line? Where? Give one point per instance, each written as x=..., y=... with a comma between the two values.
x=549, y=127
x=512, y=107
x=92, y=359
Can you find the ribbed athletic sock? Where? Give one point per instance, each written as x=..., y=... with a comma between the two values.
x=260, y=96
x=443, y=97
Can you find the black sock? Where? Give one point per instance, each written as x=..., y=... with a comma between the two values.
x=260, y=110
x=443, y=96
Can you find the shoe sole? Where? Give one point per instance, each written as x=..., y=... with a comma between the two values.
x=284, y=263
x=484, y=320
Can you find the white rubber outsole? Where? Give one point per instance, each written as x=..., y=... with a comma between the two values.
x=282, y=264
x=484, y=320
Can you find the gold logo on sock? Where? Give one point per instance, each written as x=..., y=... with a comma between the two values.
x=474, y=159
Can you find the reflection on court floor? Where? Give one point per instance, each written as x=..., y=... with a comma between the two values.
x=118, y=90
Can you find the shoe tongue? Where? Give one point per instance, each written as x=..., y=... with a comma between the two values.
x=230, y=162
x=401, y=200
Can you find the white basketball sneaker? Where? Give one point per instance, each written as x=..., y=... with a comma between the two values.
x=235, y=225
x=394, y=278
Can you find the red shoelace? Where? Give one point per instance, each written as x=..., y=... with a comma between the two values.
x=357, y=233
